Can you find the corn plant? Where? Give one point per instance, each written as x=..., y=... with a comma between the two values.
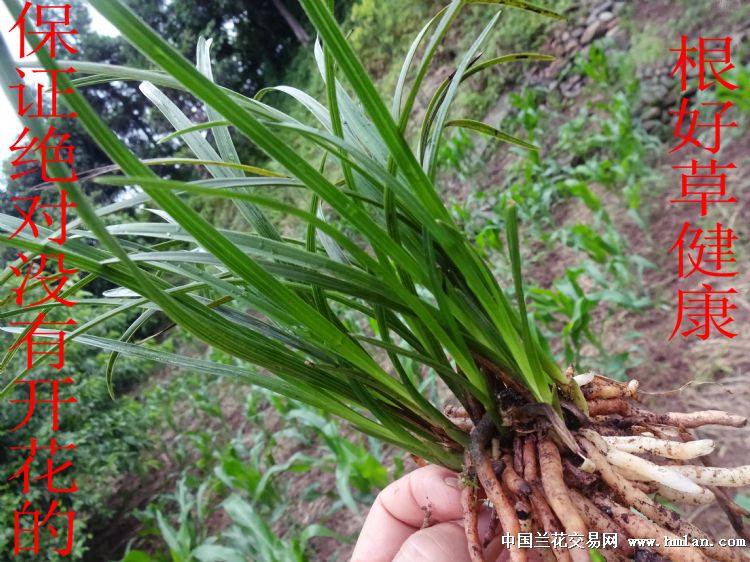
x=377, y=244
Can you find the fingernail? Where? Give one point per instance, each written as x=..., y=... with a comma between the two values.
x=451, y=481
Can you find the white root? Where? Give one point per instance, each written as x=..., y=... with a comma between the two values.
x=704, y=498
x=663, y=448
x=632, y=475
x=632, y=389
x=654, y=472
x=588, y=466
x=585, y=378
x=716, y=476
x=600, y=387
x=596, y=448
x=698, y=419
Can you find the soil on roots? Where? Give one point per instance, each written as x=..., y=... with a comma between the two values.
x=609, y=470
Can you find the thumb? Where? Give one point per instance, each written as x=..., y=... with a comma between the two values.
x=444, y=542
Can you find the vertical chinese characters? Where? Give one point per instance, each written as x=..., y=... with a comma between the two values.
x=704, y=253
x=41, y=522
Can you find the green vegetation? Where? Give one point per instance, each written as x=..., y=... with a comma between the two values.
x=246, y=481
x=338, y=373
x=326, y=280
x=599, y=155
x=328, y=284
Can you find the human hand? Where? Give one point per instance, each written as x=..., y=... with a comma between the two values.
x=393, y=530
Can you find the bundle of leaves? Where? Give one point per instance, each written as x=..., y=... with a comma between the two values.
x=380, y=279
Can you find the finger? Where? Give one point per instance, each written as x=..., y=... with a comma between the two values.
x=444, y=542
x=399, y=511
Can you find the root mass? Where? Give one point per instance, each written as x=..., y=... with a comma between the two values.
x=604, y=483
